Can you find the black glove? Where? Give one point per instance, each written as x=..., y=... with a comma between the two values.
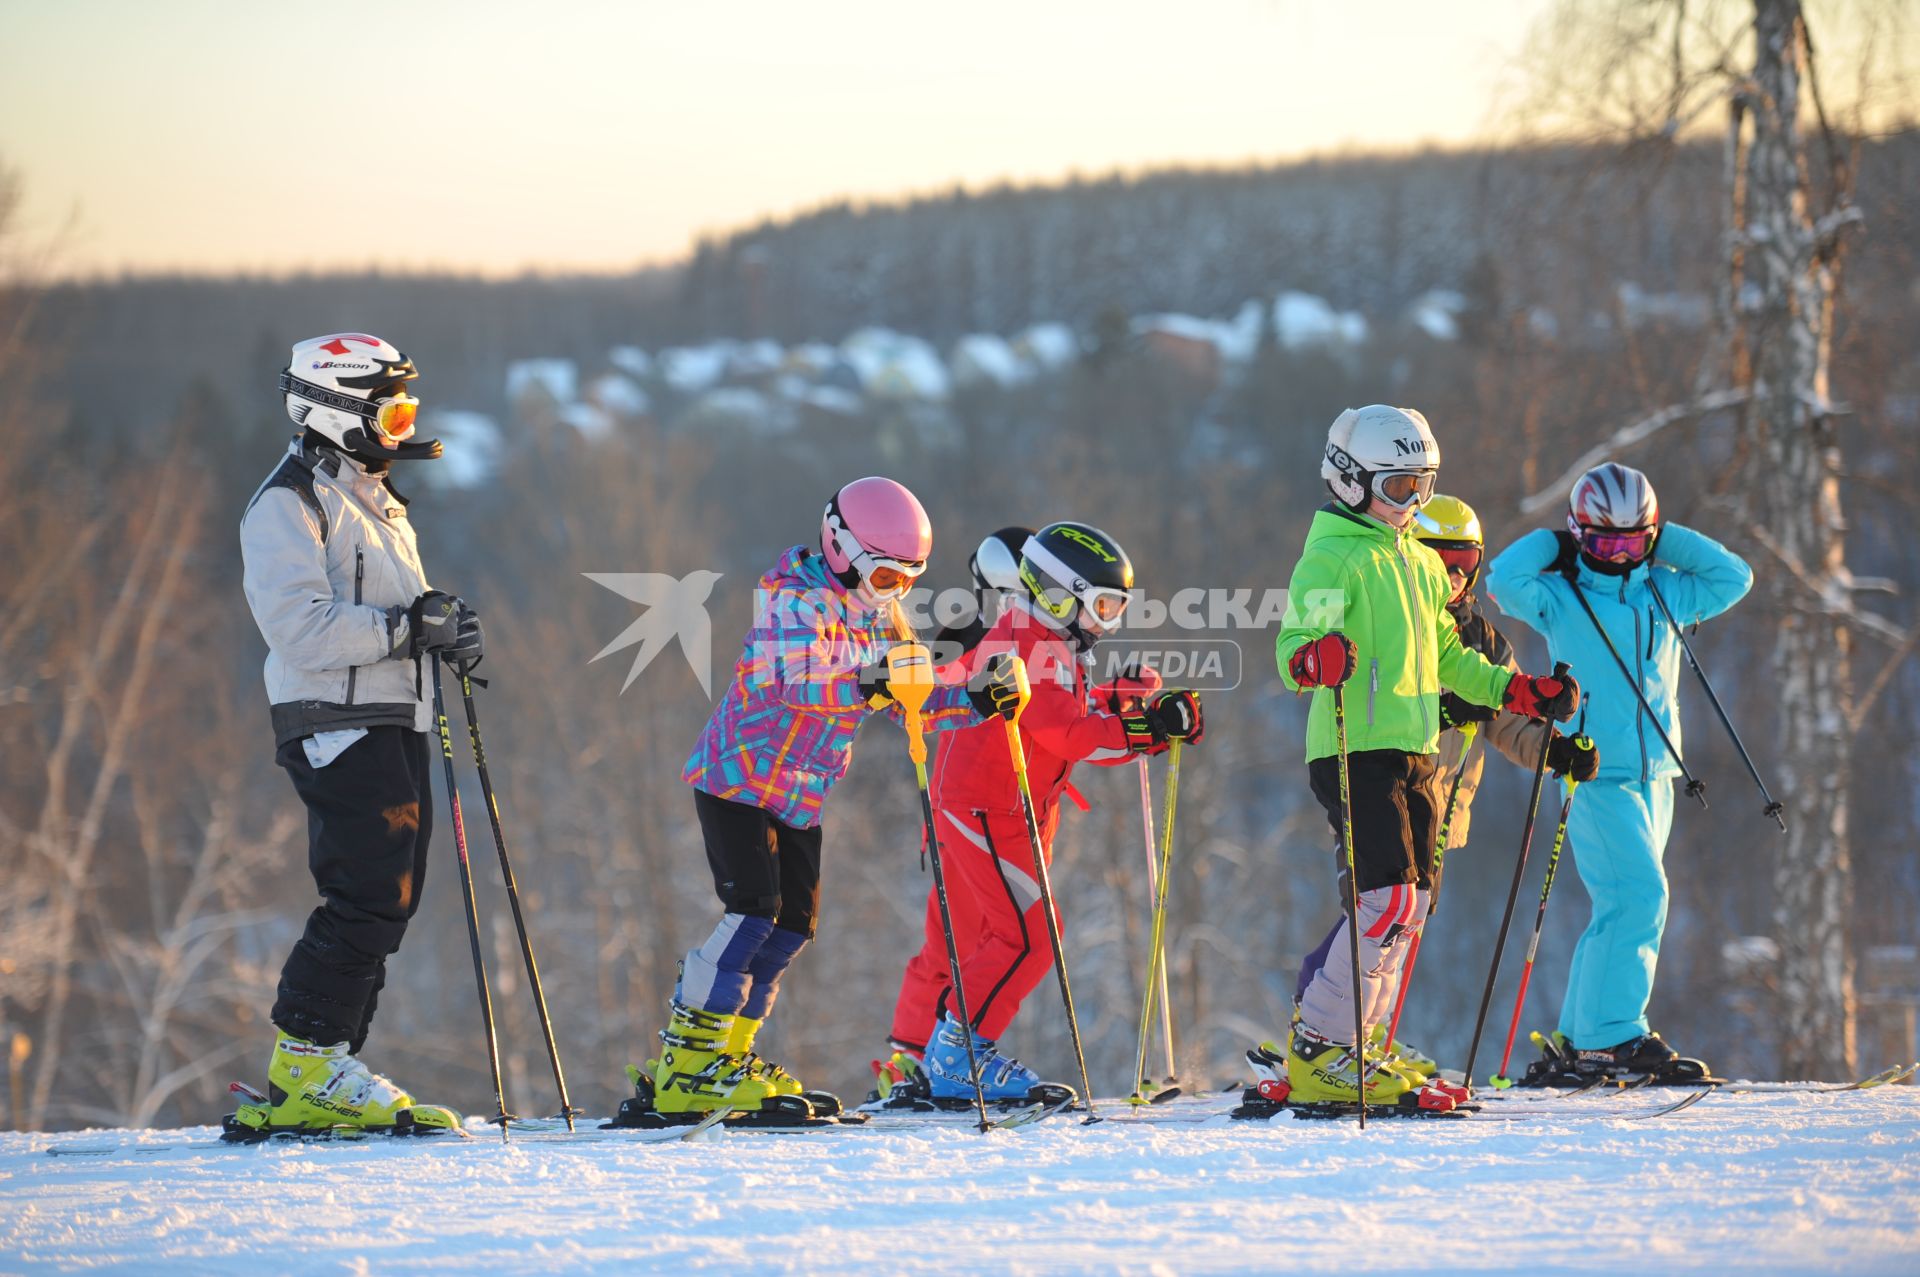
x=1176, y=716
x=1455, y=710
x=874, y=686
x=468, y=645
x=995, y=690
x=433, y=624
x=1577, y=756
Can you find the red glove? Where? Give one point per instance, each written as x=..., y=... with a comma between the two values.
x=1145, y=735
x=1554, y=695
x=1323, y=662
x=1127, y=691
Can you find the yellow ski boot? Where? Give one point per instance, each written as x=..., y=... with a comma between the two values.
x=740, y=1046
x=1410, y=1058
x=1322, y=1072
x=313, y=1088
x=697, y=1071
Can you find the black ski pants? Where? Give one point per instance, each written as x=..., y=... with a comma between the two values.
x=762, y=867
x=369, y=818
x=1396, y=814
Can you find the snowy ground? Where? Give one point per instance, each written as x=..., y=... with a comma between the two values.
x=1759, y=1182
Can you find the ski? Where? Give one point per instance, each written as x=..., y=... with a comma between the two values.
x=532, y=1130
x=1030, y=1114
x=553, y=1130
x=1267, y=1110
x=1593, y=1111
x=329, y=1135
x=113, y=1147
x=914, y=1119
x=1270, y=1099
x=1885, y=1077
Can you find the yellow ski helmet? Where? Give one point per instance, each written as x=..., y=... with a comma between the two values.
x=1445, y=518
x=1450, y=527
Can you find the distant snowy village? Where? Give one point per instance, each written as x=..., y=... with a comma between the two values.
x=763, y=389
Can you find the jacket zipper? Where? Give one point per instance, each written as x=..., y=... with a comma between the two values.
x=1373, y=689
x=1419, y=667
x=359, y=574
x=1640, y=677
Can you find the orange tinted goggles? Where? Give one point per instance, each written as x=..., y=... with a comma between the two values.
x=394, y=418
x=886, y=575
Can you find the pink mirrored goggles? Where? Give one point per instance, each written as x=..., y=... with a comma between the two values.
x=1614, y=546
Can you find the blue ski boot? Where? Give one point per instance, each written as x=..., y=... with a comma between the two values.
x=1003, y=1080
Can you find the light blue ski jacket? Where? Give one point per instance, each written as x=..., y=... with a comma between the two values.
x=1697, y=576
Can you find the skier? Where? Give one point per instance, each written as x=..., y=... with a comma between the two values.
x=1588, y=591
x=813, y=668
x=1367, y=596
x=1074, y=585
x=1450, y=528
x=332, y=574
x=995, y=567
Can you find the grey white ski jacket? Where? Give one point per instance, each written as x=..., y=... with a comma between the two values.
x=328, y=550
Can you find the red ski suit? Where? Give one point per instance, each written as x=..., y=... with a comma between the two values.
x=988, y=862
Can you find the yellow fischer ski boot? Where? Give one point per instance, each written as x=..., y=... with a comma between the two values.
x=313, y=1088
x=1322, y=1072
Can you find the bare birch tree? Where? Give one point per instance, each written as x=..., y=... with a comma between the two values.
x=1790, y=207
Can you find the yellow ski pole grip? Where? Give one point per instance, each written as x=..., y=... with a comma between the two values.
x=910, y=681
x=1023, y=692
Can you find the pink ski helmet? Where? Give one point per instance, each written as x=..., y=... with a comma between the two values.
x=875, y=523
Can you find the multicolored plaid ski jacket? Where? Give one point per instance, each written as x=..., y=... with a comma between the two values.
x=783, y=732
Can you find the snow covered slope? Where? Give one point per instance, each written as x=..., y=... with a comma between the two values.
x=1761, y=1183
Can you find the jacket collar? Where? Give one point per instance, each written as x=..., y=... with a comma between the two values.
x=1607, y=581
x=344, y=468
x=1339, y=521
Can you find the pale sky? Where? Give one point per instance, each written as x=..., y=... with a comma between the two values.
x=564, y=134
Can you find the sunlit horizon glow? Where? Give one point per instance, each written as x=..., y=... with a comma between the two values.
x=204, y=137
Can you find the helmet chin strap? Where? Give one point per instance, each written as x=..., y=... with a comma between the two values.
x=365, y=448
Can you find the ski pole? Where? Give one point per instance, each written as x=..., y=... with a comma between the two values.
x=1500, y=1079
x=1017, y=752
x=1159, y=882
x=513, y=889
x=910, y=680
x=1467, y=733
x=473, y=914
x=1774, y=808
x=1513, y=892
x=1352, y=903
x=1162, y=884
x=1696, y=789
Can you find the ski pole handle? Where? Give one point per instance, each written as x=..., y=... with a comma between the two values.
x=910, y=682
x=1023, y=691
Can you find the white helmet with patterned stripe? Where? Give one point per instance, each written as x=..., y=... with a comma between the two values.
x=1613, y=497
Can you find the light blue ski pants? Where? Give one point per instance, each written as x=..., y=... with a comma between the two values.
x=1618, y=832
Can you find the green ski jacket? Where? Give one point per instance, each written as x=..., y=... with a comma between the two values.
x=1388, y=594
